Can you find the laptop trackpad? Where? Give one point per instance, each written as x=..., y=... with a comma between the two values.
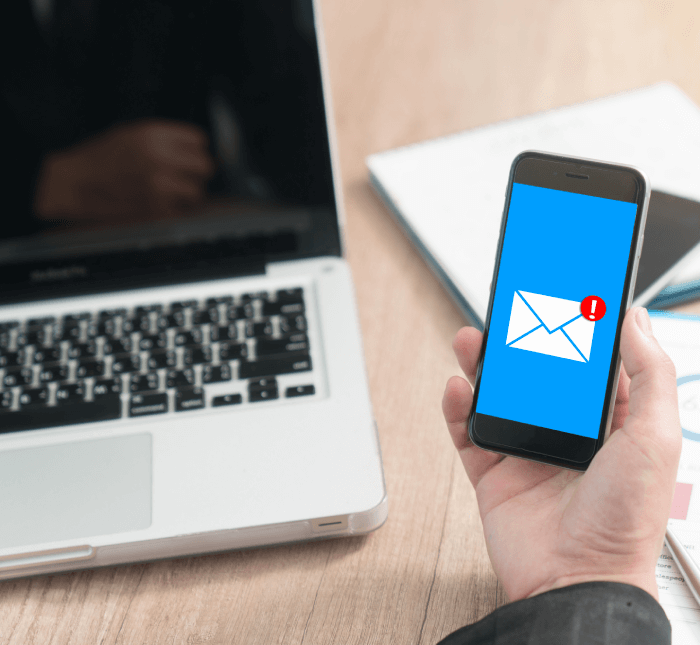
x=75, y=490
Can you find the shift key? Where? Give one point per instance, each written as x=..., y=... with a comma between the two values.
x=270, y=366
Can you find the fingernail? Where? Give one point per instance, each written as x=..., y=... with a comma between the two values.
x=644, y=322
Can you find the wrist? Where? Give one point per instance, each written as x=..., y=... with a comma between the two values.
x=646, y=582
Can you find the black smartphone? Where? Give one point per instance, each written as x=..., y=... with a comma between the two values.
x=568, y=253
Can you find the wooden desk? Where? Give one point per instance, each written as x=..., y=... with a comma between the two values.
x=402, y=71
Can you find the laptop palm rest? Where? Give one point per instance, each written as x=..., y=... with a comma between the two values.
x=75, y=490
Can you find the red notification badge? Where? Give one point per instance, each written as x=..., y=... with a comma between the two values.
x=592, y=308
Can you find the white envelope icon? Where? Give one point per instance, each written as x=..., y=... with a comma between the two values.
x=551, y=326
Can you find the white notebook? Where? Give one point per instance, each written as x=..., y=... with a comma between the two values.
x=449, y=193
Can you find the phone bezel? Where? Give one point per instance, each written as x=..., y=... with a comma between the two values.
x=534, y=442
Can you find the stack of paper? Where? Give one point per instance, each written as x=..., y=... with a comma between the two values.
x=449, y=193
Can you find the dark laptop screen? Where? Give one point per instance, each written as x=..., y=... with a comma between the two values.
x=147, y=140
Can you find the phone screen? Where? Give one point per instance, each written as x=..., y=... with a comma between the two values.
x=557, y=301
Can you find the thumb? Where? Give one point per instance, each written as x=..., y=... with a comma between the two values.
x=653, y=396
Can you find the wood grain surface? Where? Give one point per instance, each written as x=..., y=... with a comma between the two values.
x=401, y=71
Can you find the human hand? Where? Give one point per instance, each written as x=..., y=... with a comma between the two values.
x=546, y=527
x=148, y=169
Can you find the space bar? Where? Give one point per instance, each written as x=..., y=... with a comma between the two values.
x=108, y=407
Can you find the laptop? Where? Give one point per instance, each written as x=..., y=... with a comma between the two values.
x=181, y=368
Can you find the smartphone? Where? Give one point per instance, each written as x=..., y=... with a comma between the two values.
x=569, y=248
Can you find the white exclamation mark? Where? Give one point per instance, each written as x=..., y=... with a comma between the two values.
x=593, y=302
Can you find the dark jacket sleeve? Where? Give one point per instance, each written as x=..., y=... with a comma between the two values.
x=593, y=613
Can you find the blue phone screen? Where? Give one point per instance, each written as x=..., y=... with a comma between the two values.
x=563, y=263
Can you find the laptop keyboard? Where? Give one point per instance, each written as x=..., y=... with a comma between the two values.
x=152, y=359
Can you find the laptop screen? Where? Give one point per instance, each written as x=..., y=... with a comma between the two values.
x=152, y=140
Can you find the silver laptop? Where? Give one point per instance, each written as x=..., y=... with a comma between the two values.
x=180, y=360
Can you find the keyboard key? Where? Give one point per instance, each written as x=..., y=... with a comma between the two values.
x=266, y=394
x=70, y=332
x=128, y=326
x=69, y=393
x=118, y=346
x=269, y=347
x=292, y=324
x=13, y=359
x=153, y=341
x=106, y=327
x=82, y=350
x=197, y=355
x=125, y=364
x=176, y=319
x=33, y=398
x=191, y=398
x=282, y=308
x=184, y=304
x=290, y=295
x=40, y=322
x=6, y=400
x=72, y=318
x=262, y=383
x=140, y=323
x=293, y=294
x=145, y=404
x=191, y=337
x=144, y=382
x=37, y=337
x=144, y=310
x=51, y=373
x=162, y=358
x=90, y=367
x=216, y=373
x=221, y=300
x=18, y=376
x=71, y=413
x=256, y=295
x=235, y=313
x=180, y=378
x=160, y=323
x=230, y=351
x=206, y=316
x=111, y=313
x=47, y=355
x=5, y=340
x=270, y=366
x=106, y=387
x=300, y=390
x=227, y=332
x=226, y=399
x=91, y=331
x=258, y=329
